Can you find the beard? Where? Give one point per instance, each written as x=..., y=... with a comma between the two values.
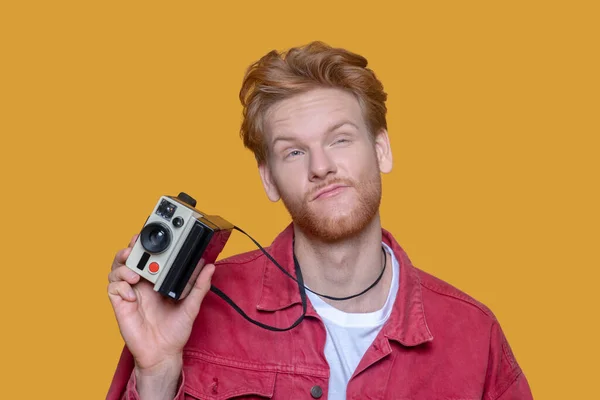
x=334, y=223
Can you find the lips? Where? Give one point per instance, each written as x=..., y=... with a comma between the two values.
x=330, y=190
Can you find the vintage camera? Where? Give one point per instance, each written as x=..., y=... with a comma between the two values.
x=175, y=237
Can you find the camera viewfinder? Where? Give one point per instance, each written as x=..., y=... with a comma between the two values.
x=166, y=210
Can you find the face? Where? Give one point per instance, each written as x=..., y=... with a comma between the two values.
x=324, y=164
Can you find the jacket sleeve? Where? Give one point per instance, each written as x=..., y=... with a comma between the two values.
x=123, y=385
x=518, y=390
x=504, y=380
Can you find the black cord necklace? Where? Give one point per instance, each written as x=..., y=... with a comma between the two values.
x=297, y=265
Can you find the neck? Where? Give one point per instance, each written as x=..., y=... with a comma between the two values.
x=346, y=267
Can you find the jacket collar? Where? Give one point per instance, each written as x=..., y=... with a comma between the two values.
x=407, y=323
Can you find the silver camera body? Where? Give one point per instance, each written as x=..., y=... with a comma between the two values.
x=174, y=239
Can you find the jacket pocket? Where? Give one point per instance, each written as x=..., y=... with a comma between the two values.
x=208, y=381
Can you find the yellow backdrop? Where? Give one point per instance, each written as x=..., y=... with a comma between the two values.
x=493, y=118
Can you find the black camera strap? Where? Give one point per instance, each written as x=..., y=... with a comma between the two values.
x=301, y=288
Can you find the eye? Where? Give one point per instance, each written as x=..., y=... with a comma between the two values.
x=293, y=153
x=341, y=141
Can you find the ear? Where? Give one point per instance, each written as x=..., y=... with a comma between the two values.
x=383, y=151
x=268, y=182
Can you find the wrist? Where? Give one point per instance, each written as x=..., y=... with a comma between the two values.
x=160, y=381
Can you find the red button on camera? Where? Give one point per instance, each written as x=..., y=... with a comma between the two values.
x=153, y=267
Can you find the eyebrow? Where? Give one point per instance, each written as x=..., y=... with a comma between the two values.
x=330, y=129
x=340, y=124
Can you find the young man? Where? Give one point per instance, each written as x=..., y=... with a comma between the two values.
x=375, y=328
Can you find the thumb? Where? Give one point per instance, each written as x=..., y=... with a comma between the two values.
x=202, y=285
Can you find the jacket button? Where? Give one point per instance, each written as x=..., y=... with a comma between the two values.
x=316, y=391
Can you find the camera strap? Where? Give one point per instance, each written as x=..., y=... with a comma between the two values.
x=301, y=288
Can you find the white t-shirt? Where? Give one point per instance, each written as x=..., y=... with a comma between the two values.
x=349, y=335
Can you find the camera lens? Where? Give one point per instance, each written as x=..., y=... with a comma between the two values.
x=155, y=237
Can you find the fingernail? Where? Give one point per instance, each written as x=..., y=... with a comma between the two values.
x=131, y=294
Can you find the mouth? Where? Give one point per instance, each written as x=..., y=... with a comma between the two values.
x=329, y=191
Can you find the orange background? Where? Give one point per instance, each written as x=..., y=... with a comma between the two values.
x=493, y=118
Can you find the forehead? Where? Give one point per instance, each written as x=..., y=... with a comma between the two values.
x=314, y=111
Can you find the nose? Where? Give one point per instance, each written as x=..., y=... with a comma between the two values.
x=321, y=165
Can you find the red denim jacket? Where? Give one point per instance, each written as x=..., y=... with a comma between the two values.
x=438, y=343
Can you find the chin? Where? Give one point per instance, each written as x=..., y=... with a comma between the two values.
x=333, y=227
x=339, y=215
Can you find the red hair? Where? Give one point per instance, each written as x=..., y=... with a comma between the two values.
x=280, y=75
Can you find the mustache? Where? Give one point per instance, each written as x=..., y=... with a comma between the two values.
x=332, y=181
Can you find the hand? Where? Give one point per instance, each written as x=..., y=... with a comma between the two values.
x=154, y=327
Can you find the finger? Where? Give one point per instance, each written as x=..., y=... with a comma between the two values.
x=202, y=285
x=133, y=240
x=123, y=273
x=120, y=289
x=192, y=281
x=121, y=257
